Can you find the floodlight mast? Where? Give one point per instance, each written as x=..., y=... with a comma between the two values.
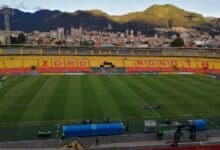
x=7, y=12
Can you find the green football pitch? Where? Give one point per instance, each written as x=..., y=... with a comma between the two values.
x=49, y=99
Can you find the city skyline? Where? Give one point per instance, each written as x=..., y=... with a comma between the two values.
x=114, y=7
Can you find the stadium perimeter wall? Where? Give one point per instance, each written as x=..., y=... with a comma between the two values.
x=97, y=64
x=210, y=147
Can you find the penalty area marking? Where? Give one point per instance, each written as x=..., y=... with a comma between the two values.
x=145, y=103
x=38, y=93
x=42, y=122
x=16, y=86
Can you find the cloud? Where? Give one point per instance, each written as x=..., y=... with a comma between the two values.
x=36, y=8
x=3, y=5
x=22, y=6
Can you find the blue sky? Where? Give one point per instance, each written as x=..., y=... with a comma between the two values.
x=114, y=7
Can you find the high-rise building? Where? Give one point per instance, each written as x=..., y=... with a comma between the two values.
x=60, y=33
x=126, y=32
x=73, y=31
x=80, y=30
x=109, y=26
x=139, y=33
x=53, y=34
x=7, y=12
x=131, y=32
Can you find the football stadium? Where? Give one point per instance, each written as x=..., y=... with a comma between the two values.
x=49, y=89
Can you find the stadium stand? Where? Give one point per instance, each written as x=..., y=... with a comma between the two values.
x=52, y=59
x=55, y=64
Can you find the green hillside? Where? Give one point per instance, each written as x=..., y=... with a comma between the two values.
x=159, y=15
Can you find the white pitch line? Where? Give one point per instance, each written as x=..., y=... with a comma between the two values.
x=16, y=86
x=42, y=122
x=38, y=93
x=145, y=103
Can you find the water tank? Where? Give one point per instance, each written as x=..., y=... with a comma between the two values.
x=93, y=129
x=200, y=124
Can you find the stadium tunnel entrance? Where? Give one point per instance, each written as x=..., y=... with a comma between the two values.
x=33, y=68
x=108, y=67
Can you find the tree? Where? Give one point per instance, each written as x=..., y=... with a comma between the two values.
x=145, y=42
x=87, y=43
x=60, y=42
x=13, y=40
x=21, y=38
x=178, y=42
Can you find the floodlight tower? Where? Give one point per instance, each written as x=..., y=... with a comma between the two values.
x=7, y=12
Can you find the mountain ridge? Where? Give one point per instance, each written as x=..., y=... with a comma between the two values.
x=164, y=16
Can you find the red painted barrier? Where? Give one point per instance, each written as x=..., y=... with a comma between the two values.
x=15, y=70
x=210, y=147
x=63, y=69
x=45, y=70
x=171, y=69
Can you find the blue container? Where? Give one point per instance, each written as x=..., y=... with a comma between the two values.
x=93, y=130
x=200, y=124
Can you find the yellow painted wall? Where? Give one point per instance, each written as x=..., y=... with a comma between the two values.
x=94, y=61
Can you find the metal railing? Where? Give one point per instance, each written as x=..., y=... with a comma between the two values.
x=107, y=51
